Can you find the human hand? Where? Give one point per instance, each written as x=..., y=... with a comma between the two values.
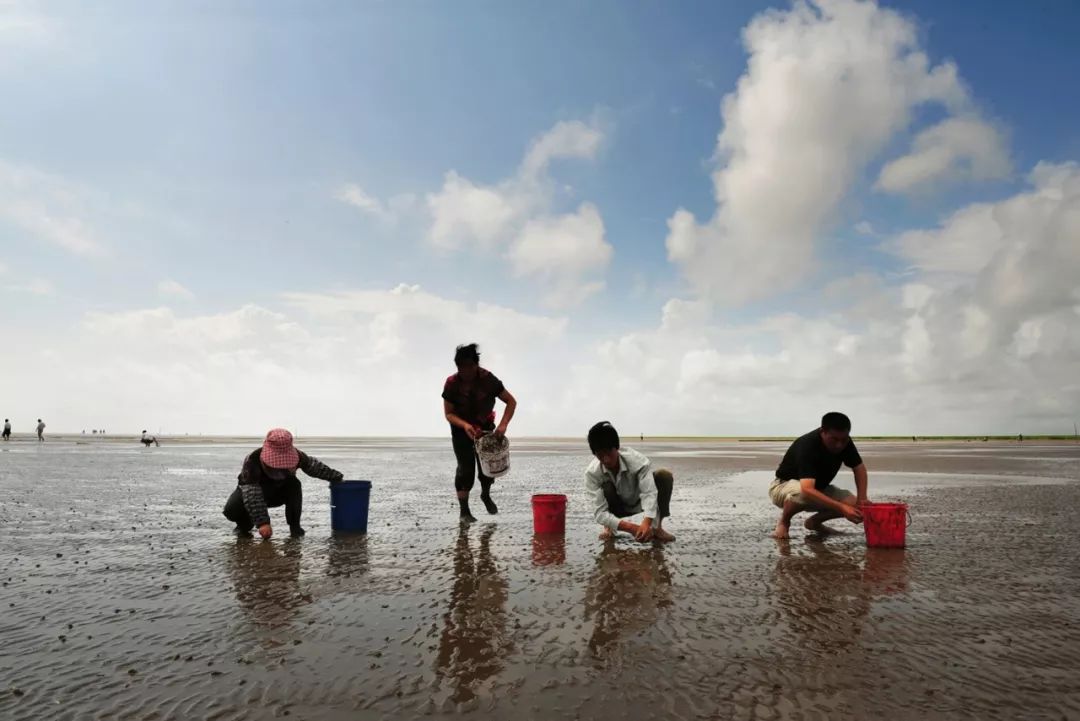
x=265, y=531
x=474, y=432
x=852, y=513
x=338, y=478
x=644, y=532
x=862, y=501
x=501, y=430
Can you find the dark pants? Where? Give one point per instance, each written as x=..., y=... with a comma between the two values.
x=468, y=463
x=665, y=483
x=288, y=494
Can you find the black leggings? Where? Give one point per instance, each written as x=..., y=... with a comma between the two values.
x=468, y=463
x=288, y=495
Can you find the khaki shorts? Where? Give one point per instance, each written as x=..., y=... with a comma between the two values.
x=781, y=491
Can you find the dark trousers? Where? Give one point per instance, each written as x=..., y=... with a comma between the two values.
x=468, y=463
x=288, y=494
x=665, y=483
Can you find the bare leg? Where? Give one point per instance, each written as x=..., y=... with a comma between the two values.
x=782, y=526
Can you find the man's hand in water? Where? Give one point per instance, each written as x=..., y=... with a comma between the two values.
x=644, y=532
x=852, y=513
x=265, y=531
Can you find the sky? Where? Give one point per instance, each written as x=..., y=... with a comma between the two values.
x=685, y=218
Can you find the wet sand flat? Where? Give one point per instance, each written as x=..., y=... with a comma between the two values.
x=125, y=595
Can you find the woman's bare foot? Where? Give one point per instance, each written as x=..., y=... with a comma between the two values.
x=781, y=530
x=606, y=534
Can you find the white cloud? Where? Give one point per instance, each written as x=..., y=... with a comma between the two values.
x=390, y=212
x=364, y=361
x=47, y=208
x=33, y=286
x=564, y=251
x=567, y=139
x=355, y=196
x=864, y=227
x=173, y=289
x=827, y=86
x=964, y=148
x=464, y=212
x=20, y=24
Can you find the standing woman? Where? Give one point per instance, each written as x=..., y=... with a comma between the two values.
x=469, y=404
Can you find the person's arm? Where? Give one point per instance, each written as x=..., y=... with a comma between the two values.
x=254, y=501
x=810, y=493
x=599, y=503
x=508, y=412
x=861, y=480
x=455, y=420
x=648, y=494
x=317, y=469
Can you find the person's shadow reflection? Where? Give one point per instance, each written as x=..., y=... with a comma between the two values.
x=827, y=594
x=266, y=579
x=473, y=639
x=627, y=590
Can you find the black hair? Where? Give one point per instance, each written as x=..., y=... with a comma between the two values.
x=835, y=421
x=468, y=353
x=603, y=437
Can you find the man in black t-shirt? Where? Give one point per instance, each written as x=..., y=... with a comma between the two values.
x=804, y=478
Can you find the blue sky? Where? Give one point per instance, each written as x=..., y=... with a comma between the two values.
x=208, y=145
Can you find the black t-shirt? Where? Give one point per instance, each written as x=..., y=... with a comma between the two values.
x=809, y=458
x=475, y=404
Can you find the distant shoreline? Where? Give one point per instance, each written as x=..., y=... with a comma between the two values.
x=629, y=439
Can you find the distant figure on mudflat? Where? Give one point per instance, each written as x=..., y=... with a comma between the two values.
x=7, y=429
x=621, y=483
x=149, y=440
x=804, y=479
x=469, y=406
x=40, y=430
x=268, y=480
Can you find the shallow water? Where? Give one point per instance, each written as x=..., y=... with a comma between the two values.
x=125, y=596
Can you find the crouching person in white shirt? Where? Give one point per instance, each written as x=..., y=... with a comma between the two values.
x=621, y=483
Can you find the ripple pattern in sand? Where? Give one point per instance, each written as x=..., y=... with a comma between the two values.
x=124, y=596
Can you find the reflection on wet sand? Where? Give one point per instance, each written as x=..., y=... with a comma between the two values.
x=548, y=549
x=473, y=641
x=266, y=579
x=347, y=555
x=627, y=589
x=827, y=595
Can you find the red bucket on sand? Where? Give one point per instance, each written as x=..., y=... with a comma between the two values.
x=885, y=524
x=549, y=513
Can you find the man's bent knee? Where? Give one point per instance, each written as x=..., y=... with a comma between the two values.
x=663, y=476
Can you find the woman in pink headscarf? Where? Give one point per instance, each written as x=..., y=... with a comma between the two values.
x=268, y=480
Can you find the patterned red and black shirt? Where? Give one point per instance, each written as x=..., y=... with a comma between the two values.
x=474, y=403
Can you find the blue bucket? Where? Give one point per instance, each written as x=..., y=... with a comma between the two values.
x=349, y=505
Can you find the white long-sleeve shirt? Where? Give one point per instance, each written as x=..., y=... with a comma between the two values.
x=633, y=483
